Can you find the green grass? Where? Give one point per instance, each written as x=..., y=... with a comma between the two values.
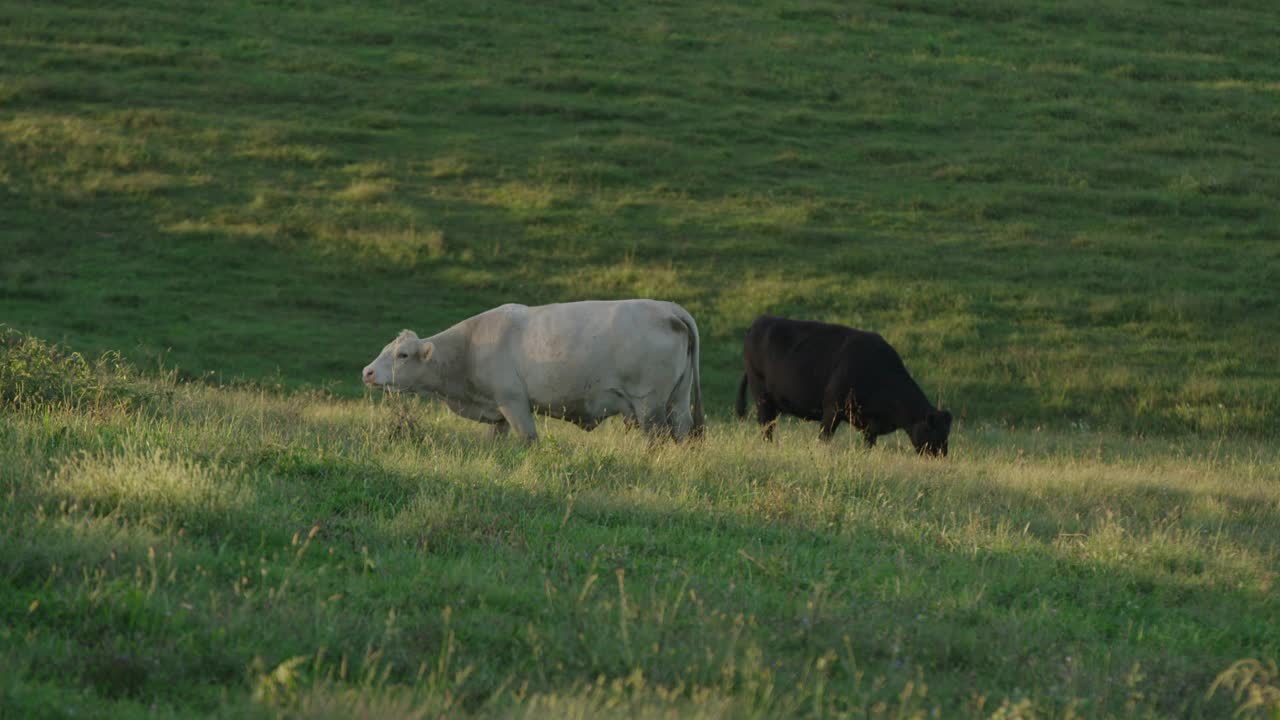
x=1058, y=212
x=176, y=554
x=1063, y=214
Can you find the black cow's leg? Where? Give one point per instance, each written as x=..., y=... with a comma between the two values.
x=767, y=415
x=872, y=431
x=831, y=418
x=870, y=427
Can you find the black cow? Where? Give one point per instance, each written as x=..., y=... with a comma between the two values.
x=829, y=373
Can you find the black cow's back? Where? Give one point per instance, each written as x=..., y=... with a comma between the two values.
x=820, y=371
x=788, y=360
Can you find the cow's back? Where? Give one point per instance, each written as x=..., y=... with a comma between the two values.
x=833, y=373
x=791, y=361
x=796, y=362
x=577, y=359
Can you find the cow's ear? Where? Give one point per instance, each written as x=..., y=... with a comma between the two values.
x=426, y=349
x=940, y=420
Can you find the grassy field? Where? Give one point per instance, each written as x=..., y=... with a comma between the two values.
x=1058, y=211
x=1065, y=215
x=176, y=549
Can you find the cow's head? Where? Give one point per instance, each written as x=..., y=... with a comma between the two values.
x=929, y=436
x=404, y=364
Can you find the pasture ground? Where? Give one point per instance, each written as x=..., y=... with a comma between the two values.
x=231, y=551
x=1063, y=214
x=1058, y=211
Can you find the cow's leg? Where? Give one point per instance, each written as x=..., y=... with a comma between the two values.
x=831, y=417
x=681, y=421
x=679, y=404
x=837, y=406
x=767, y=415
x=498, y=429
x=655, y=422
x=650, y=414
x=870, y=432
x=520, y=418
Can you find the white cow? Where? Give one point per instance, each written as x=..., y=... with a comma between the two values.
x=580, y=361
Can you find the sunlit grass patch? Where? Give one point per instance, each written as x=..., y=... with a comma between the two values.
x=371, y=170
x=756, y=294
x=525, y=198
x=35, y=374
x=403, y=246
x=453, y=504
x=240, y=229
x=273, y=199
x=447, y=167
x=758, y=212
x=628, y=278
x=75, y=145
x=1255, y=685
x=152, y=487
x=1239, y=84
x=366, y=191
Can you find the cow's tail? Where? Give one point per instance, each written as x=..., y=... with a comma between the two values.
x=695, y=364
x=740, y=406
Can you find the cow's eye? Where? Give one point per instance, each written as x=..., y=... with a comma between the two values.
x=402, y=355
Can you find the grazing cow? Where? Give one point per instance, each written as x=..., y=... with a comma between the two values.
x=580, y=361
x=818, y=371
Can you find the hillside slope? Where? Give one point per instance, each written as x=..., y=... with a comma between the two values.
x=1058, y=211
x=176, y=550
x=1063, y=214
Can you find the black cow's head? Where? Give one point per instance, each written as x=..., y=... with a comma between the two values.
x=929, y=436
